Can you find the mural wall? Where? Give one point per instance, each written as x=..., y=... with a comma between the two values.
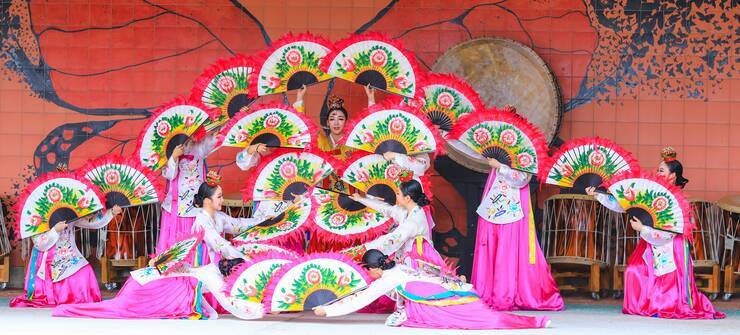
x=79, y=78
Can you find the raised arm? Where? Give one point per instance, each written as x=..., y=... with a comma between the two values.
x=513, y=177
x=392, y=242
x=97, y=220
x=656, y=237
x=236, y=226
x=204, y=148
x=609, y=201
x=418, y=164
x=248, y=158
x=46, y=240
x=215, y=241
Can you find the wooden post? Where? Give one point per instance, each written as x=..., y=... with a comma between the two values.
x=5, y=269
x=594, y=280
x=105, y=269
x=729, y=280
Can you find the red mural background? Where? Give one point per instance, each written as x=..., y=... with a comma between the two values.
x=79, y=78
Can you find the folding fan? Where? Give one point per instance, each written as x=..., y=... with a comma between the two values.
x=175, y=255
x=373, y=175
x=340, y=220
x=374, y=59
x=225, y=87
x=291, y=62
x=289, y=226
x=169, y=126
x=257, y=249
x=312, y=281
x=447, y=98
x=274, y=125
x=394, y=128
x=248, y=281
x=505, y=136
x=55, y=197
x=285, y=173
x=652, y=200
x=122, y=181
x=586, y=162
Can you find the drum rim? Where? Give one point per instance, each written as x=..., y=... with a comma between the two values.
x=727, y=203
x=533, y=56
x=571, y=196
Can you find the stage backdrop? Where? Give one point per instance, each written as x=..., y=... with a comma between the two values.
x=79, y=78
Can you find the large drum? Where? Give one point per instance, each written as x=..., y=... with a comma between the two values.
x=706, y=248
x=730, y=206
x=236, y=207
x=577, y=235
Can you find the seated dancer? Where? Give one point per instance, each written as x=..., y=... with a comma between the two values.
x=426, y=300
x=57, y=272
x=509, y=269
x=176, y=297
x=659, y=279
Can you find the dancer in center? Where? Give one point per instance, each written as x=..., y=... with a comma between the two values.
x=509, y=269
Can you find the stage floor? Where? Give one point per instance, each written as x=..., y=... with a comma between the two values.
x=581, y=317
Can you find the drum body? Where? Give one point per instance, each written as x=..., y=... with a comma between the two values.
x=5, y=247
x=576, y=230
x=730, y=221
x=133, y=233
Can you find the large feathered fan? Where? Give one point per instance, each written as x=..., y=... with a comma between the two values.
x=447, y=98
x=169, y=126
x=248, y=281
x=373, y=175
x=586, y=162
x=285, y=173
x=175, y=255
x=505, y=136
x=224, y=86
x=313, y=280
x=52, y=198
x=340, y=220
x=257, y=249
x=288, y=226
x=374, y=59
x=274, y=125
x=291, y=62
x=122, y=181
x=396, y=128
x=652, y=200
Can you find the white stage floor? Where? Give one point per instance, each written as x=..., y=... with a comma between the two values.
x=576, y=319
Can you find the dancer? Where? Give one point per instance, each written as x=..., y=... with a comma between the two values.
x=659, y=279
x=509, y=269
x=425, y=300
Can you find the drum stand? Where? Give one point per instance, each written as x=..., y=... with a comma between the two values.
x=706, y=247
x=731, y=259
x=4, y=271
x=114, y=263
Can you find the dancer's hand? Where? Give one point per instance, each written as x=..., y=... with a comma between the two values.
x=178, y=151
x=494, y=163
x=300, y=93
x=636, y=224
x=61, y=225
x=116, y=210
x=591, y=190
x=370, y=92
x=259, y=148
x=298, y=198
x=356, y=197
x=151, y=262
x=389, y=155
x=320, y=311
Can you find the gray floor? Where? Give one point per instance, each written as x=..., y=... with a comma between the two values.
x=576, y=319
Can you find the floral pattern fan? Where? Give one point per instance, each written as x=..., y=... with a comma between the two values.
x=285, y=173
x=52, y=198
x=224, y=86
x=311, y=281
x=586, y=162
x=123, y=181
x=248, y=280
x=291, y=62
x=288, y=226
x=652, y=200
x=175, y=255
x=447, y=98
x=274, y=125
x=339, y=220
x=505, y=136
x=376, y=60
x=170, y=126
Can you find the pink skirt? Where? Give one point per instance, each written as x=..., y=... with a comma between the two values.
x=172, y=228
x=168, y=298
x=81, y=287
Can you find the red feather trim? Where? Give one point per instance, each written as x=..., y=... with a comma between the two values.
x=221, y=65
x=593, y=141
x=236, y=271
x=456, y=83
x=312, y=129
x=272, y=284
x=260, y=59
x=130, y=161
x=332, y=241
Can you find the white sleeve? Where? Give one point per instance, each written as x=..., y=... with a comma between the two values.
x=608, y=201
x=95, y=221
x=216, y=242
x=170, y=170
x=246, y=161
x=361, y=299
x=419, y=164
x=46, y=240
x=392, y=242
x=656, y=237
x=204, y=148
x=236, y=226
x=516, y=179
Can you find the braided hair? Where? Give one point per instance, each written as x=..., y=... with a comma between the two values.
x=375, y=259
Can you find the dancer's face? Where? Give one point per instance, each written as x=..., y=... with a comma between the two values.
x=336, y=122
x=375, y=273
x=216, y=200
x=665, y=172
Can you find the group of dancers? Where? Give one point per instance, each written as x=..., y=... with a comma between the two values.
x=510, y=271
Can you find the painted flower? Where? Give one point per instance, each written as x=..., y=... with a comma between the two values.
x=313, y=276
x=337, y=219
x=481, y=136
x=288, y=170
x=189, y=120
x=250, y=291
x=597, y=158
x=524, y=160
x=54, y=194
x=323, y=197
x=36, y=220
x=269, y=193
x=566, y=170
x=378, y=57
x=112, y=177
x=253, y=235
x=660, y=203
x=344, y=280
x=421, y=145
x=362, y=176
x=445, y=99
x=417, y=102
x=401, y=82
x=272, y=121
x=317, y=175
x=242, y=136
x=630, y=194
x=289, y=298
x=368, y=216
x=84, y=202
x=140, y=191
x=285, y=226
x=508, y=137
x=153, y=158
x=294, y=57
x=397, y=125
x=273, y=82
x=348, y=64
x=226, y=84
x=366, y=136
x=392, y=171
x=163, y=128
x=296, y=139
